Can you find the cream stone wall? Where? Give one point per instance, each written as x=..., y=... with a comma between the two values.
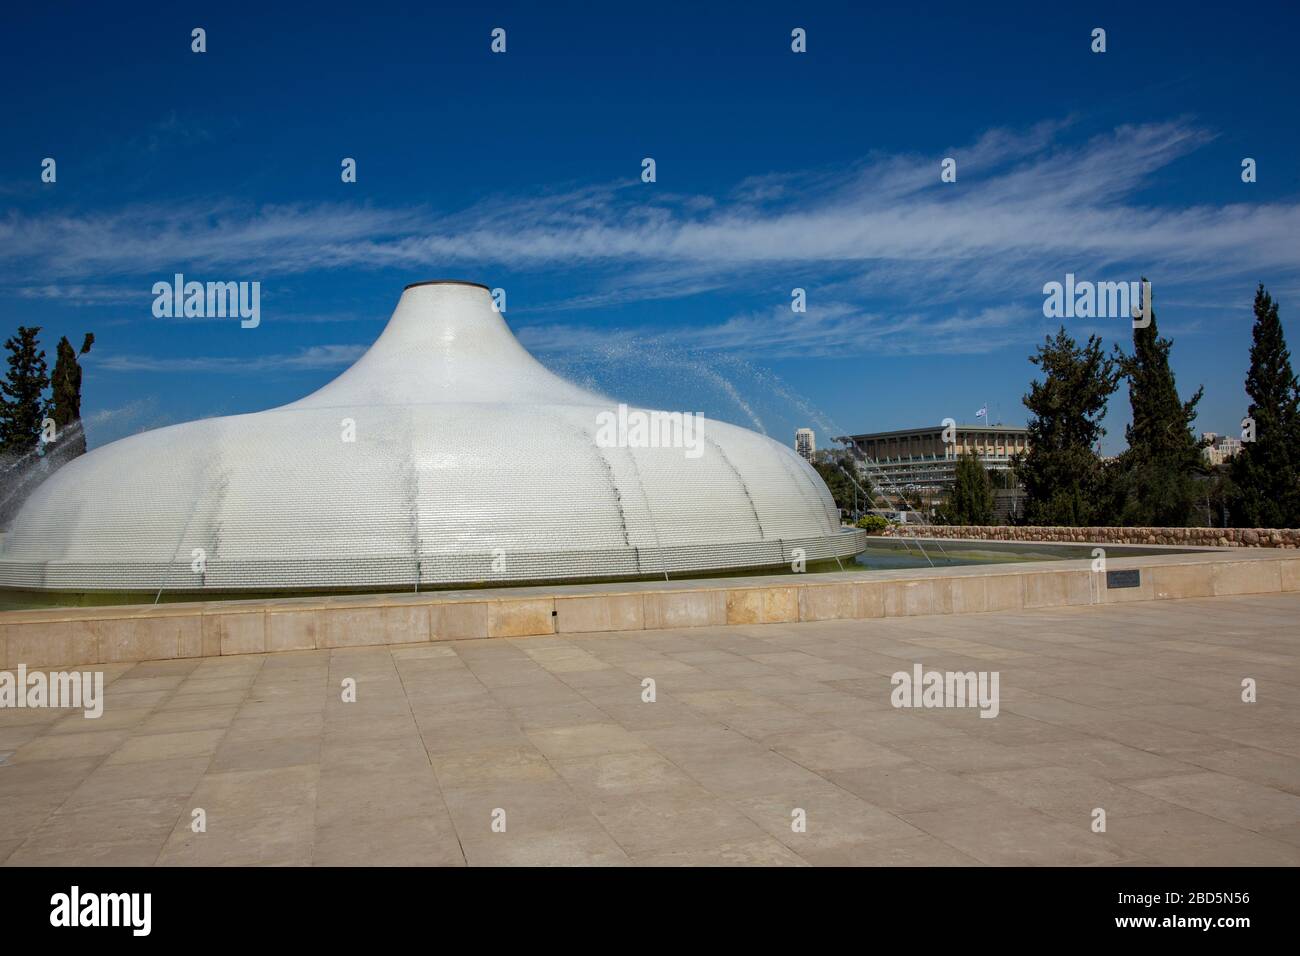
x=1192, y=537
x=65, y=637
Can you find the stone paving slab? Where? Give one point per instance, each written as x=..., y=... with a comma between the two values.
x=543, y=750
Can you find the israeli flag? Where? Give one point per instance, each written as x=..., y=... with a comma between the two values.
x=984, y=410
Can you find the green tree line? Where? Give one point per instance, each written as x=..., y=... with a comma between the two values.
x=1161, y=479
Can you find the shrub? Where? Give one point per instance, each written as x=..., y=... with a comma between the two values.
x=874, y=524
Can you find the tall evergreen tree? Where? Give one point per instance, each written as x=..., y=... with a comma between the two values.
x=1267, y=470
x=65, y=383
x=1156, y=475
x=22, y=393
x=971, y=499
x=22, y=416
x=1061, y=474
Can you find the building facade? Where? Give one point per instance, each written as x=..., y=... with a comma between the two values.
x=925, y=459
x=805, y=443
x=1220, y=449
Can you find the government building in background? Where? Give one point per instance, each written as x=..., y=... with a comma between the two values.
x=917, y=463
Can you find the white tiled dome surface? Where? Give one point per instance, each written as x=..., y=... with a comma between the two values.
x=471, y=463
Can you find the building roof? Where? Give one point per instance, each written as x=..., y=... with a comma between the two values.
x=927, y=429
x=468, y=461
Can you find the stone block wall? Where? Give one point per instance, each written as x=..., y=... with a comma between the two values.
x=1193, y=537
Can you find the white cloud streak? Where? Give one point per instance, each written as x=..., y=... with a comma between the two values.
x=1019, y=195
x=308, y=359
x=941, y=264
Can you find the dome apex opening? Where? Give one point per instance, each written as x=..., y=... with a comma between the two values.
x=477, y=285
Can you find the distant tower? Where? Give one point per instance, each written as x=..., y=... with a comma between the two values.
x=805, y=443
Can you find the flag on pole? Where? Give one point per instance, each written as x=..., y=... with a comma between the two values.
x=984, y=410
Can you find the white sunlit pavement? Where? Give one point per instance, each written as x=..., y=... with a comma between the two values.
x=543, y=750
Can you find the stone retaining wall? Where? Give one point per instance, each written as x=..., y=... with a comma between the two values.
x=61, y=637
x=1195, y=537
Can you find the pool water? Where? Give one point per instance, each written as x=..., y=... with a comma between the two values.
x=889, y=554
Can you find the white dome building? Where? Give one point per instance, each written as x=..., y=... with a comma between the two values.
x=446, y=455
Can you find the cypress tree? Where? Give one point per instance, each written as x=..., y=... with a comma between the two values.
x=1061, y=474
x=971, y=500
x=1157, y=473
x=22, y=393
x=1266, y=473
x=66, y=386
x=22, y=417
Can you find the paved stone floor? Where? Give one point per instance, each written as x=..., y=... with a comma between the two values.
x=1134, y=709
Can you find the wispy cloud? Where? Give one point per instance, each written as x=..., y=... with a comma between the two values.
x=153, y=239
x=836, y=329
x=896, y=262
x=315, y=357
x=78, y=294
x=1021, y=197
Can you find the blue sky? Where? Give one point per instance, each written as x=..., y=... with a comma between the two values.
x=775, y=170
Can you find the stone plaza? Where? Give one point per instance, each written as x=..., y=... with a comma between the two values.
x=544, y=750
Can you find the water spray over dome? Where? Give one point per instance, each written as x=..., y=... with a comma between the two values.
x=446, y=455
